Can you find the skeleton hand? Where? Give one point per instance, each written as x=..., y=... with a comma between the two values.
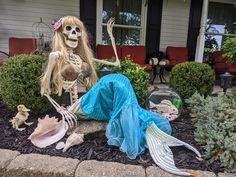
x=55, y=55
x=68, y=117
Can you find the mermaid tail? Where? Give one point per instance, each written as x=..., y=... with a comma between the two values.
x=158, y=143
x=113, y=99
x=130, y=127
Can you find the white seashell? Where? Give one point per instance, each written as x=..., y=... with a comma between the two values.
x=60, y=145
x=48, y=131
x=73, y=139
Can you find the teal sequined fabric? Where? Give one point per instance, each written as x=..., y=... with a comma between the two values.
x=113, y=99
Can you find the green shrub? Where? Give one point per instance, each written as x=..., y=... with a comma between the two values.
x=215, y=120
x=19, y=82
x=138, y=77
x=229, y=48
x=189, y=77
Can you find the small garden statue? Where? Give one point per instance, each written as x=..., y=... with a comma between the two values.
x=166, y=109
x=21, y=117
x=111, y=99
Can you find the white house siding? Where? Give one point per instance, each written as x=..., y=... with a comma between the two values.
x=174, y=26
x=18, y=16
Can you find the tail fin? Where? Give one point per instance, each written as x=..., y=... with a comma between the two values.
x=158, y=143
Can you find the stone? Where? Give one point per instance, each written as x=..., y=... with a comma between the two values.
x=6, y=156
x=90, y=128
x=227, y=175
x=157, y=172
x=205, y=174
x=108, y=169
x=36, y=165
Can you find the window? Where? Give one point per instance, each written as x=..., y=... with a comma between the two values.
x=221, y=19
x=130, y=21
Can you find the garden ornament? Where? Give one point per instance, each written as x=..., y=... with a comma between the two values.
x=111, y=99
x=48, y=131
x=20, y=118
x=73, y=139
x=165, y=108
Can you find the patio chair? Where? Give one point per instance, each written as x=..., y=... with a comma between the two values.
x=19, y=46
x=220, y=64
x=176, y=55
x=107, y=52
x=137, y=54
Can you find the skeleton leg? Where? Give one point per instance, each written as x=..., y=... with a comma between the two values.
x=17, y=128
x=28, y=123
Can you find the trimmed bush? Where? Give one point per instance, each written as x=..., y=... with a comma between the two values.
x=190, y=77
x=215, y=121
x=19, y=82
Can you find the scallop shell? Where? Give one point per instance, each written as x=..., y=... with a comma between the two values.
x=48, y=131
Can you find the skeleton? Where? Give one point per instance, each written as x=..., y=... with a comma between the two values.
x=20, y=118
x=75, y=71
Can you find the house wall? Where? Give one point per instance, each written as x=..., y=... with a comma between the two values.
x=18, y=16
x=174, y=25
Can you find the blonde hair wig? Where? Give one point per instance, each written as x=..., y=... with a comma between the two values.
x=51, y=81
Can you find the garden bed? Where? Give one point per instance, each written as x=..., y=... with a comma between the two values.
x=97, y=148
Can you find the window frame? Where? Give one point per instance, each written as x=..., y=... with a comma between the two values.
x=232, y=2
x=142, y=27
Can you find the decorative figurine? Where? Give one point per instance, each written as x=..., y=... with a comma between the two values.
x=111, y=99
x=21, y=118
x=165, y=108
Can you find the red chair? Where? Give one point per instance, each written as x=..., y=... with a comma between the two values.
x=19, y=46
x=107, y=52
x=220, y=64
x=176, y=55
x=137, y=54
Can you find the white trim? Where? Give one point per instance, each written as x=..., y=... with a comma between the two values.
x=142, y=27
x=225, y=1
x=124, y=26
x=201, y=37
x=98, y=22
x=143, y=22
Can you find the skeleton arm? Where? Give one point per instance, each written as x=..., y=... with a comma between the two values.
x=110, y=24
x=53, y=56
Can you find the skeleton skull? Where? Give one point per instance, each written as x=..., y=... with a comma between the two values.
x=71, y=35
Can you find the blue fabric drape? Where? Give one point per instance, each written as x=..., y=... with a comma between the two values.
x=113, y=99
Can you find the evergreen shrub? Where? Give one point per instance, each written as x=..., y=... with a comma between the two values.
x=19, y=82
x=215, y=121
x=190, y=77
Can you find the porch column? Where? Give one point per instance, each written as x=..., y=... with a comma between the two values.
x=201, y=36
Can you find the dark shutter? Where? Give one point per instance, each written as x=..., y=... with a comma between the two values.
x=194, y=26
x=88, y=16
x=153, y=27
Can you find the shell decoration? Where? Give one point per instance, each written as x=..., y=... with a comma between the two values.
x=73, y=139
x=48, y=131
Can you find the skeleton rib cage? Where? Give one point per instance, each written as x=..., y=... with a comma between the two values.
x=72, y=86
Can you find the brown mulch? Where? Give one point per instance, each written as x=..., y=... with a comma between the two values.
x=97, y=147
